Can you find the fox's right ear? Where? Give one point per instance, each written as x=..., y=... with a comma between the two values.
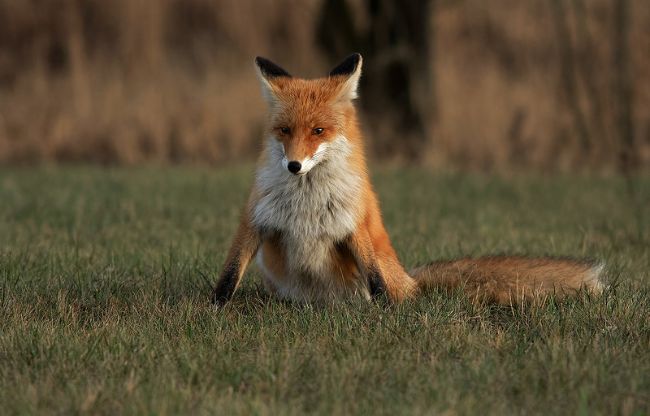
x=268, y=72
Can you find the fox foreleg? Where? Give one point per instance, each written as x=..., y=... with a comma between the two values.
x=243, y=248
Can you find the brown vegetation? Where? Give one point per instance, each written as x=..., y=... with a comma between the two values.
x=537, y=83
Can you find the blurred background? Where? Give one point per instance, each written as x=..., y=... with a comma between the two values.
x=557, y=85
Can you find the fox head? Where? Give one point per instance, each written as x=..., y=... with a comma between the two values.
x=308, y=118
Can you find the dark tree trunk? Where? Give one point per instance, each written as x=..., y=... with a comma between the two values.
x=622, y=89
x=397, y=86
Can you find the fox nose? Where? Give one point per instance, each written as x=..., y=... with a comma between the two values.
x=294, y=166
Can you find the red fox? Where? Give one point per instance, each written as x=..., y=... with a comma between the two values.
x=313, y=220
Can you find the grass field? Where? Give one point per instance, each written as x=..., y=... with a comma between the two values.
x=105, y=277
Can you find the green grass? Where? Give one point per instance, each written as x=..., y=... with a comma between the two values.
x=105, y=277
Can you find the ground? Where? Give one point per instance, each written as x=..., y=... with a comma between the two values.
x=105, y=276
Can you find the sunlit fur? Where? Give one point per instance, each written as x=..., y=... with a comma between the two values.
x=323, y=203
x=318, y=233
x=302, y=217
x=306, y=215
x=511, y=279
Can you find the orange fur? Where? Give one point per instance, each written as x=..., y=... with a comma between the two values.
x=242, y=250
x=510, y=279
x=306, y=257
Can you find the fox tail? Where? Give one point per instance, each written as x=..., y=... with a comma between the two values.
x=508, y=280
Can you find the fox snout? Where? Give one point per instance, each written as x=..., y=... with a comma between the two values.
x=298, y=167
x=294, y=166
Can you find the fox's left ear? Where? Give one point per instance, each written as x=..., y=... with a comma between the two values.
x=268, y=73
x=349, y=71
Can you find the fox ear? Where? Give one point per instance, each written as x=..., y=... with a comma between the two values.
x=268, y=72
x=349, y=71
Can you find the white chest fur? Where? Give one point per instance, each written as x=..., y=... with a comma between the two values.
x=310, y=213
x=320, y=204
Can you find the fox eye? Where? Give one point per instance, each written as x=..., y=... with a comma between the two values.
x=318, y=130
x=285, y=130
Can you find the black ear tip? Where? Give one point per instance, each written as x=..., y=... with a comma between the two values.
x=348, y=66
x=269, y=69
x=356, y=58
